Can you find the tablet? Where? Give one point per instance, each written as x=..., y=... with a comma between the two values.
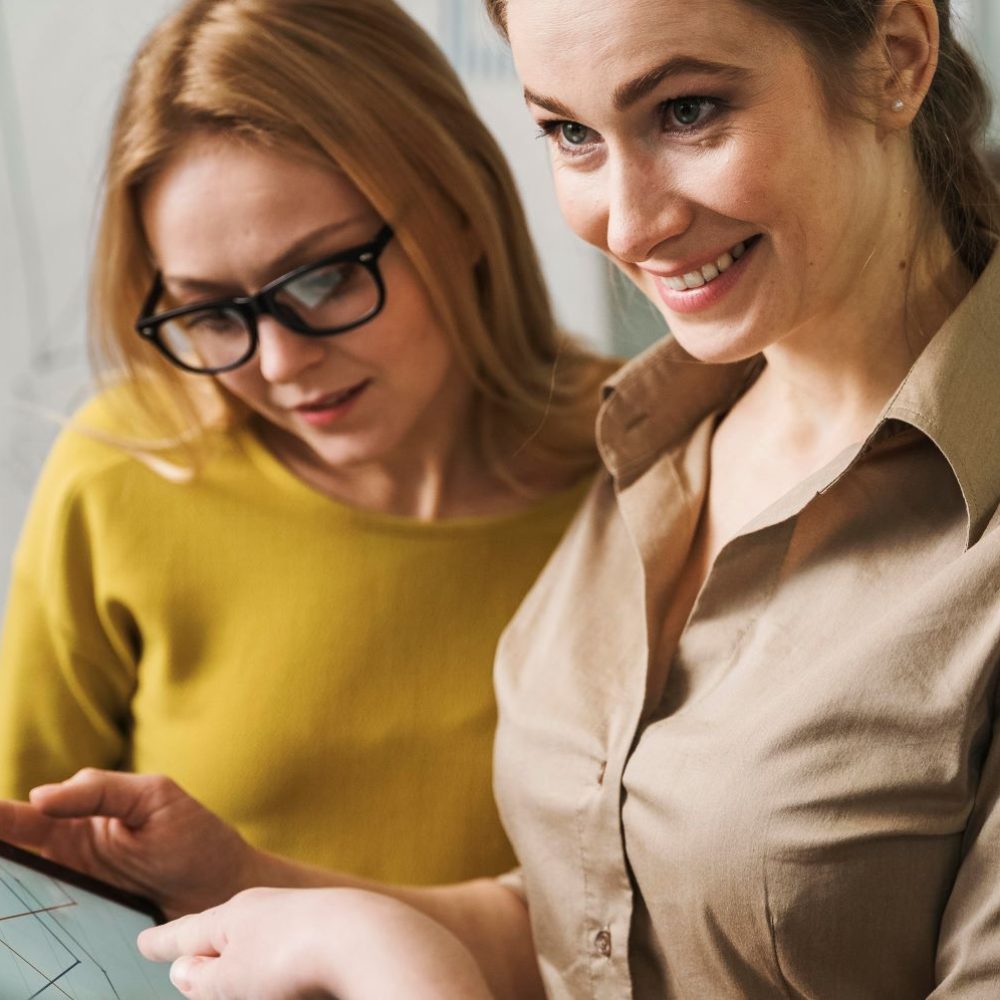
x=65, y=936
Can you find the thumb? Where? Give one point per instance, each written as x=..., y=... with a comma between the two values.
x=192, y=975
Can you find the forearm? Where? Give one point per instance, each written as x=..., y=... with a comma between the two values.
x=490, y=920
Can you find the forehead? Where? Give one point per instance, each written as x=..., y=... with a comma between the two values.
x=564, y=48
x=219, y=173
x=236, y=213
x=218, y=197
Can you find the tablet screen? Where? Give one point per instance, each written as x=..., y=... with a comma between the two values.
x=66, y=937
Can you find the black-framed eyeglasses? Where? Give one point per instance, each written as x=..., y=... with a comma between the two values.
x=329, y=296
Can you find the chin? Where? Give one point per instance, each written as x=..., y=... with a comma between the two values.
x=716, y=343
x=345, y=454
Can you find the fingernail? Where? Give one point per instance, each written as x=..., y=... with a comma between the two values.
x=179, y=974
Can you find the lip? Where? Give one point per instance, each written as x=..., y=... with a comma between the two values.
x=696, y=264
x=325, y=410
x=694, y=300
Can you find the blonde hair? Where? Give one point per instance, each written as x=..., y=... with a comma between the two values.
x=360, y=86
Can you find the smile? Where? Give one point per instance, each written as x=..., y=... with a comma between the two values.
x=709, y=272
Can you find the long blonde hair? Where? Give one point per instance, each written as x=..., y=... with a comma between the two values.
x=360, y=86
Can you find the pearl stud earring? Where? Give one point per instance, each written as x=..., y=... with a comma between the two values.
x=898, y=105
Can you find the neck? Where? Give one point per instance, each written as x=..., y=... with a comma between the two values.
x=426, y=487
x=437, y=471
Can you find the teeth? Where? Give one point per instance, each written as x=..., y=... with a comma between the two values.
x=711, y=271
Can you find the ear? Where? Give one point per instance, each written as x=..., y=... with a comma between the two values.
x=910, y=37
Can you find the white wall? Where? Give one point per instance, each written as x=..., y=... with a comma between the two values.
x=978, y=23
x=61, y=63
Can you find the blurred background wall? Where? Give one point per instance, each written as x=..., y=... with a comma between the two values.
x=61, y=63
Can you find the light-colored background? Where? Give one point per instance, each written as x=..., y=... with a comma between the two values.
x=61, y=62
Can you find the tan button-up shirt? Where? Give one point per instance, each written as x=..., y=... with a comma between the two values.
x=802, y=802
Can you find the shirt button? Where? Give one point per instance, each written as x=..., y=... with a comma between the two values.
x=602, y=943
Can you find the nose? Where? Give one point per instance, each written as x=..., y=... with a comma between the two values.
x=283, y=355
x=644, y=207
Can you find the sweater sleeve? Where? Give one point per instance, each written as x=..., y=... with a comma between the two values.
x=67, y=670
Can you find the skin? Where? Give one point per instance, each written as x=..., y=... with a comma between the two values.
x=242, y=949
x=823, y=296
x=224, y=218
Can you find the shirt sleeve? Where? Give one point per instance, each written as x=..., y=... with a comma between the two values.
x=968, y=957
x=66, y=676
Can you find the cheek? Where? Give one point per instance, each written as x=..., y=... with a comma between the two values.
x=434, y=363
x=408, y=350
x=246, y=386
x=791, y=186
x=736, y=181
x=582, y=206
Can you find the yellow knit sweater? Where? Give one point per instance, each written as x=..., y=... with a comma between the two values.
x=318, y=675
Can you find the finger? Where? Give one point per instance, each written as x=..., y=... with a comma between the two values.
x=90, y=792
x=22, y=824
x=191, y=973
x=196, y=934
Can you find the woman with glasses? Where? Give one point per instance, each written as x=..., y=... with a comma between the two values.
x=340, y=435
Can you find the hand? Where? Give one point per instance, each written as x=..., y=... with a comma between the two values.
x=280, y=944
x=140, y=832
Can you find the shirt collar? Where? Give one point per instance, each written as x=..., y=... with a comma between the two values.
x=950, y=395
x=656, y=400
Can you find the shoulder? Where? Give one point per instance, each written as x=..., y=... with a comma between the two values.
x=108, y=477
x=85, y=448
x=110, y=453
x=104, y=437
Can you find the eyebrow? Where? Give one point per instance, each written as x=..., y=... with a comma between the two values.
x=286, y=261
x=628, y=94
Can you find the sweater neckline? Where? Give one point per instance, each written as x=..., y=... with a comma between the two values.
x=283, y=477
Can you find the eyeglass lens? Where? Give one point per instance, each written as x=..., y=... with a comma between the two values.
x=324, y=298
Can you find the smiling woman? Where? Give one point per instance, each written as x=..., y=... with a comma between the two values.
x=334, y=393
x=796, y=777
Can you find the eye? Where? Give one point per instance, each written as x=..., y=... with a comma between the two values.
x=573, y=133
x=326, y=284
x=569, y=137
x=215, y=321
x=317, y=286
x=687, y=114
